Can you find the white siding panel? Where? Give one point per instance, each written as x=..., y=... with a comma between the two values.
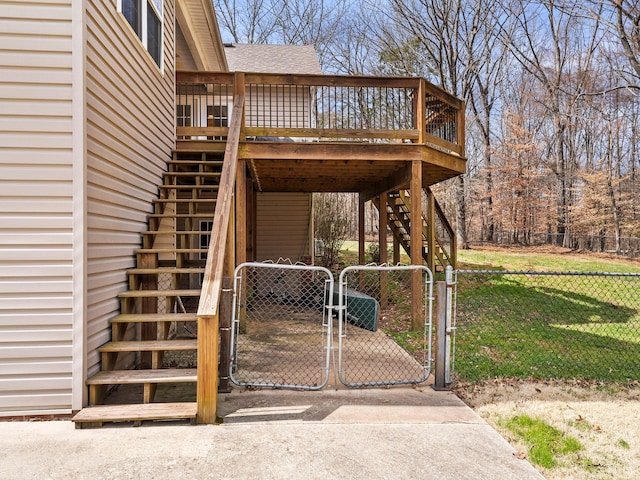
x=31, y=403
x=35, y=367
x=35, y=254
x=15, y=219
x=9, y=335
x=130, y=137
x=49, y=350
x=37, y=383
x=26, y=319
x=34, y=75
x=36, y=175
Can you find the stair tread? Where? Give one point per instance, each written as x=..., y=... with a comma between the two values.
x=156, y=375
x=137, y=412
x=160, y=293
x=195, y=187
x=177, y=232
x=181, y=215
x=152, y=271
x=149, y=345
x=190, y=174
x=180, y=161
x=154, y=317
x=172, y=250
x=185, y=200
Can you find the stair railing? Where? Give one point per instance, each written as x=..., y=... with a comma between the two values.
x=208, y=308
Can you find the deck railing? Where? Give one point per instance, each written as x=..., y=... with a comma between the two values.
x=321, y=107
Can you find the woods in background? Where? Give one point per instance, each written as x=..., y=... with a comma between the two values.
x=553, y=101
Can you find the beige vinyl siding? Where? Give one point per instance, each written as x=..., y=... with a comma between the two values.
x=184, y=59
x=130, y=136
x=282, y=221
x=36, y=208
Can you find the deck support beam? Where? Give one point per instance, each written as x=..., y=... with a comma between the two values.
x=382, y=248
x=416, y=244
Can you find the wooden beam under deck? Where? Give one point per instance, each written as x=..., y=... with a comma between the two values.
x=342, y=167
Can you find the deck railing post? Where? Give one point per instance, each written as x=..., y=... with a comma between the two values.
x=461, y=139
x=420, y=109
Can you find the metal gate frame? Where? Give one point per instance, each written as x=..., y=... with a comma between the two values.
x=420, y=370
x=327, y=308
x=342, y=308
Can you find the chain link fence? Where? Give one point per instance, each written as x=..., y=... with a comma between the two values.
x=547, y=325
x=385, y=325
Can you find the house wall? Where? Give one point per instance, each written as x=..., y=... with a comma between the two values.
x=86, y=128
x=283, y=228
x=130, y=136
x=36, y=207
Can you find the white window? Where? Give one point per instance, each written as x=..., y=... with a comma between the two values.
x=145, y=17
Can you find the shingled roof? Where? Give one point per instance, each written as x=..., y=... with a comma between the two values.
x=296, y=59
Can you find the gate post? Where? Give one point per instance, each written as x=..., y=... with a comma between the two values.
x=443, y=332
x=225, y=335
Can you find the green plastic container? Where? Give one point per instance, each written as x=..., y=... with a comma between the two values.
x=362, y=310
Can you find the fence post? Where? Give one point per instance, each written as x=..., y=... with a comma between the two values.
x=226, y=299
x=444, y=311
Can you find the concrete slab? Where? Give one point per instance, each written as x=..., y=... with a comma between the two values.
x=332, y=434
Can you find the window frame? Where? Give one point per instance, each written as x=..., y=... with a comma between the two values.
x=147, y=10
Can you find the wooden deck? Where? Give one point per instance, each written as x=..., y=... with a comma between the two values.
x=368, y=168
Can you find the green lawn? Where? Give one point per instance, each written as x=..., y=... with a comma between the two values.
x=545, y=327
x=541, y=326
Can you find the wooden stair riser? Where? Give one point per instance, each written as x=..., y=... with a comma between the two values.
x=149, y=378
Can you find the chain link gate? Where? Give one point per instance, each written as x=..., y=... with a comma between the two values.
x=281, y=326
x=384, y=325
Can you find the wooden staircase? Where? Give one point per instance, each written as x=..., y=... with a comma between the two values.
x=158, y=311
x=399, y=221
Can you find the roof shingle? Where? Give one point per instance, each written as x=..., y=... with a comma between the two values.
x=295, y=59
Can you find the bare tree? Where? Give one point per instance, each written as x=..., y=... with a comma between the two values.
x=247, y=21
x=553, y=46
x=332, y=220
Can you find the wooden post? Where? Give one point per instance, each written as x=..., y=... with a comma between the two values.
x=431, y=231
x=241, y=213
x=444, y=318
x=226, y=300
x=382, y=242
x=239, y=88
x=396, y=251
x=207, y=389
x=416, y=244
x=149, y=330
x=460, y=128
x=361, y=232
x=361, y=239
x=441, y=311
x=420, y=109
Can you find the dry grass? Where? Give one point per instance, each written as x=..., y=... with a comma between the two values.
x=605, y=419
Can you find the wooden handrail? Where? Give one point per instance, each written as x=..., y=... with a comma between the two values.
x=212, y=281
x=208, y=308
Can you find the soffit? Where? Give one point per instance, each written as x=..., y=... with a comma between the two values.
x=197, y=21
